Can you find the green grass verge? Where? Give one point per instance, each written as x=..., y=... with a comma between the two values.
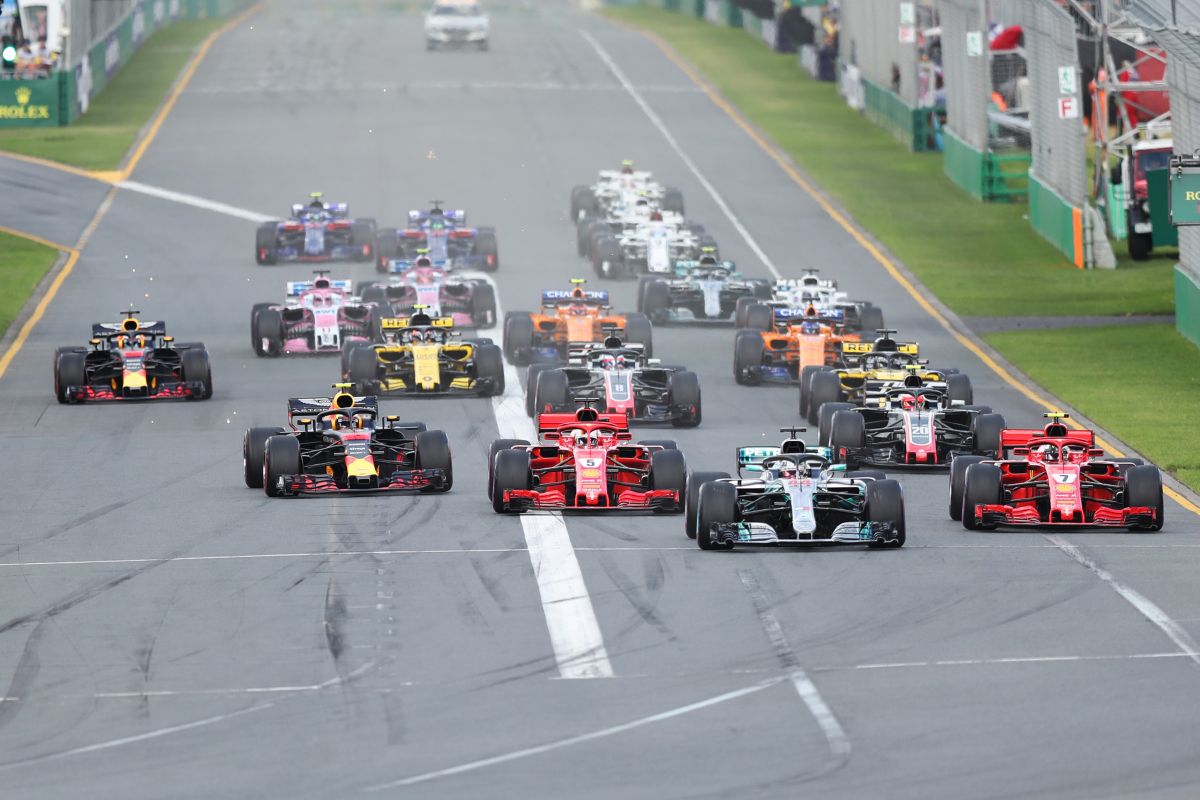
x=980, y=259
x=22, y=265
x=1147, y=372
x=102, y=137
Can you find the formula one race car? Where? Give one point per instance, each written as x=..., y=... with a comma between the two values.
x=585, y=462
x=132, y=360
x=809, y=291
x=913, y=425
x=792, y=494
x=1054, y=477
x=799, y=342
x=316, y=231
x=470, y=302
x=444, y=235
x=319, y=316
x=622, y=187
x=617, y=379
x=572, y=316
x=420, y=356
x=340, y=444
x=869, y=370
x=704, y=290
x=456, y=23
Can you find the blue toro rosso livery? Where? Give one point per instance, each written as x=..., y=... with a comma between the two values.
x=316, y=231
x=443, y=236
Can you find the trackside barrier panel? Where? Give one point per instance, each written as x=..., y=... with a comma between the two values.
x=1056, y=220
x=1187, y=304
x=910, y=125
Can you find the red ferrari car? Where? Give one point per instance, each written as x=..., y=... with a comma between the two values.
x=1054, y=477
x=586, y=462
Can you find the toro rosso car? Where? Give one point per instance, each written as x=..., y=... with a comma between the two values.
x=444, y=235
x=132, y=360
x=616, y=379
x=341, y=444
x=914, y=425
x=470, y=302
x=316, y=231
x=1054, y=477
x=585, y=462
x=792, y=494
x=421, y=356
x=319, y=316
x=575, y=315
x=705, y=290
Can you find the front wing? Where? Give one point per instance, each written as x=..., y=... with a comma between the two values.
x=166, y=390
x=408, y=480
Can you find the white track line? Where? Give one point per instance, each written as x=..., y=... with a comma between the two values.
x=991, y=662
x=194, y=201
x=570, y=618
x=572, y=740
x=657, y=122
x=1186, y=644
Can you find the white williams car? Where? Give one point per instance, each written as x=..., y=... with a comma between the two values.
x=456, y=23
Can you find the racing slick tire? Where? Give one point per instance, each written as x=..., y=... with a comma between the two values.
x=254, y=451
x=433, y=452
x=386, y=248
x=981, y=486
x=825, y=420
x=958, y=388
x=585, y=230
x=531, y=379
x=747, y=356
x=488, y=248
x=255, y=340
x=374, y=294
x=672, y=200
x=739, y=310
x=518, y=337
x=683, y=389
x=70, y=369
x=362, y=239
x=759, y=317
x=958, y=483
x=668, y=470
x=716, y=503
x=498, y=446
x=826, y=387
x=270, y=331
x=806, y=373
x=195, y=366
x=1143, y=487
x=866, y=474
x=264, y=244
x=583, y=203
x=692, y=498
x=987, y=429
x=871, y=318
x=761, y=288
x=511, y=471
x=483, y=306
x=885, y=503
x=608, y=259
x=847, y=429
x=282, y=458
x=553, y=391
x=639, y=331
x=665, y=444
x=655, y=300
x=489, y=363
x=363, y=368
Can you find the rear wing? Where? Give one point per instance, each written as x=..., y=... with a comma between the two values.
x=749, y=459
x=860, y=349
x=297, y=288
x=552, y=297
x=311, y=406
x=550, y=425
x=398, y=266
x=148, y=328
x=787, y=314
x=398, y=323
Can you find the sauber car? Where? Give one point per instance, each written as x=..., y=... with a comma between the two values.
x=569, y=316
x=622, y=187
x=703, y=290
x=617, y=379
x=444, y=236
x=792, y=494
x=456, y=23
x=342, y=444
x=585, y=461
x=471, y=302
x=422, y=356
x=319, y=316
x=316, y=231
x=1054, y=477
x=132, y=360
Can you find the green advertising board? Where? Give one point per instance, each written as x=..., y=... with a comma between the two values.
x=27, y=103
x=1185, y=190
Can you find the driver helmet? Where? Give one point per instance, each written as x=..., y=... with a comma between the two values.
x=908, y=402
x=787, y=469
x=1047, y=451
x=810, y=328
x=626, y=167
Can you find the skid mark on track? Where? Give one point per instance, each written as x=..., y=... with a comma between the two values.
x=644, y=603
x=24, y=675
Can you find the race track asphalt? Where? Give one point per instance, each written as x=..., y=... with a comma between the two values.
x=165, y=631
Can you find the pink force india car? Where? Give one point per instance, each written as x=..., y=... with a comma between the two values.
x=433, y=285
x=319, y=316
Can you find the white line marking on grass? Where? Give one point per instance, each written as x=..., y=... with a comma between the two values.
x=657, y=122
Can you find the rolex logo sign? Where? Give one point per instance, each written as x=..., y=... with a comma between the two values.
x=24, y=108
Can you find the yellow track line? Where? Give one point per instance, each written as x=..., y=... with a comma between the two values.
x=775, y=155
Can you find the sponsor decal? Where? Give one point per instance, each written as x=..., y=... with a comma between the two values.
x=83, y=85
x=139, y=25
x=23, y=109
x=159, y=12
x=112, y=54
x=1063, y=478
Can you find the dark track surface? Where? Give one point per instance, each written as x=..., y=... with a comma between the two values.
x=344, y=667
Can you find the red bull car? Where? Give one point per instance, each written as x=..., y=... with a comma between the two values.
x=618, y=379
x=132, y=360
x=341, y=444
x=1054, y=477
x=319, y=316
x=586, y=462
x=316, y=231
x=443, y=233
